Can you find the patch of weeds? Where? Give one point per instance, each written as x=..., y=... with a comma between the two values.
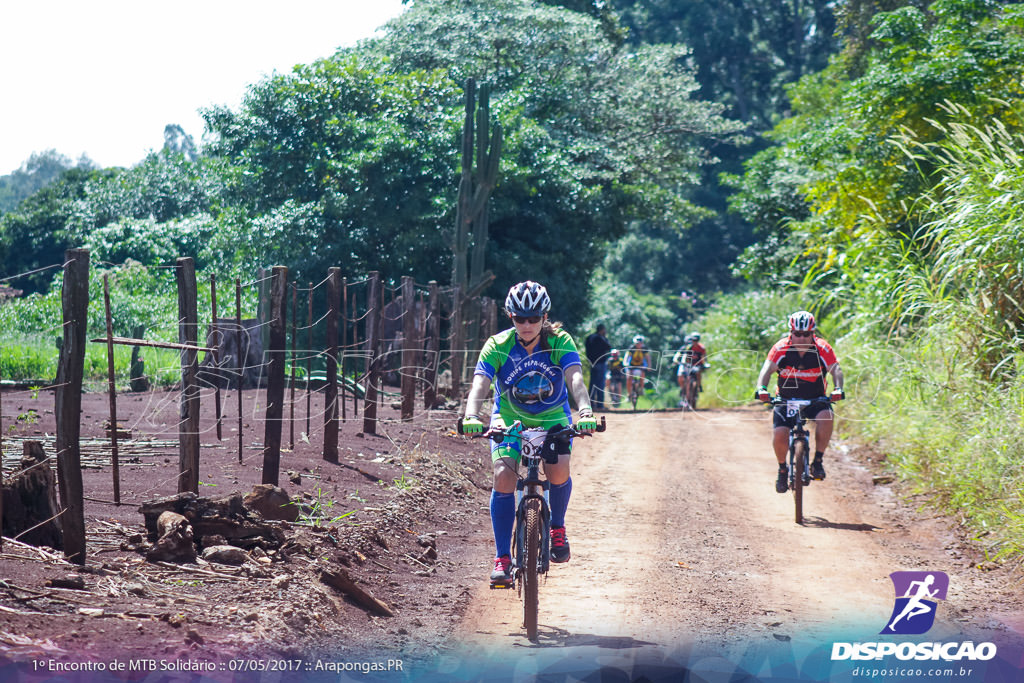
x=319, y=511
x=29, y=417
x=402, y=483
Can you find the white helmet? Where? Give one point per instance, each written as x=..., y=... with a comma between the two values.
x=801, y=321
x=639, y=339
x=527, y=298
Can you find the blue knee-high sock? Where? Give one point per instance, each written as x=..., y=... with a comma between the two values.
x=559, y=497
x=503, y=516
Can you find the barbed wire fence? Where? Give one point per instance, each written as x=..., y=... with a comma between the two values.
x=371, y=342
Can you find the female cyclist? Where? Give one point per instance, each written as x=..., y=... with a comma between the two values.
x=534, y=364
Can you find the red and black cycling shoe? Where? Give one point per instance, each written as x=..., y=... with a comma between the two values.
x=501, y=577
x=559, y=545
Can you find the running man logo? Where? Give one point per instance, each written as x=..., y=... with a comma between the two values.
x=916, y=596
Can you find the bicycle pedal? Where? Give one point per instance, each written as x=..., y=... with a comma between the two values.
x=503, y=586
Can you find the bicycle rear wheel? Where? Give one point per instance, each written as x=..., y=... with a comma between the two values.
x=530, y=579
x=691, y=390
x=799, y=460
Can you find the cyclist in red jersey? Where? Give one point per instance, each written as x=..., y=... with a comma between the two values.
x=801, y=359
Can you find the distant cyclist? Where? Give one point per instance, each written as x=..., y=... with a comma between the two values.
x=616, y=377
x=691, y=359
x=801, y=360
x=637, y=361
x=534, y=365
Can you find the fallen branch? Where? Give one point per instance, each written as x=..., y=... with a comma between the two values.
x=340, y=580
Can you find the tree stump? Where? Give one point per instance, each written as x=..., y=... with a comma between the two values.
x=30, y=500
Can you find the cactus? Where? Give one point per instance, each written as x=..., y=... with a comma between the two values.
x=482, y=142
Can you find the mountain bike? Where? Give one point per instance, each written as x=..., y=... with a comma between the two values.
x=531, y=545
x=690, y=387
x=636, y=388
x=799, y=446
x=613, y=382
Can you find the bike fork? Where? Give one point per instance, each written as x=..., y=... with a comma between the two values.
x=792, y=460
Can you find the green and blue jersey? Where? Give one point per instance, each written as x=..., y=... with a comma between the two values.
x=529, y=386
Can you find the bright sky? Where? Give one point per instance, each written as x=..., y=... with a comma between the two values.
x=103, y=77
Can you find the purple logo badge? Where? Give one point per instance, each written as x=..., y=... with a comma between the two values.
x=917, y=594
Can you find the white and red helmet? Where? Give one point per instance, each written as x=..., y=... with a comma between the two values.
x=527, y=298
x=801, y=321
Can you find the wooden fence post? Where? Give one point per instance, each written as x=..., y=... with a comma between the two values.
x=433, y=331
x=215, y=337
x=275, y=376
x=458, y=348
x=490, y=319
x=344, y=344
x=331, y=390
x=409, y=348
x=239, y=356
x=309, y=356
x=291, y=383
x=68, y=401
x=188, y=333
x=373, y=306
x=115, y=466
x=354, y=343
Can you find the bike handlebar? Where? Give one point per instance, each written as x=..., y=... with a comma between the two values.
x=564, y=433
x=779, y=401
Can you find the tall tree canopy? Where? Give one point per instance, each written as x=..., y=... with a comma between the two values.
x=598, y=136
x=745, y=51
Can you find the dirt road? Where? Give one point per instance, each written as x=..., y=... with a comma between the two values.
x=681, y=546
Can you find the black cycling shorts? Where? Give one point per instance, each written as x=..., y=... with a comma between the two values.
x=780, y=419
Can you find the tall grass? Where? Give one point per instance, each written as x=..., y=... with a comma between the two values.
x=942, y=426
x=141, y=298
x=929, y=329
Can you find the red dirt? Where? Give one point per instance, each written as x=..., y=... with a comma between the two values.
x=684, y=558
x=407, y=485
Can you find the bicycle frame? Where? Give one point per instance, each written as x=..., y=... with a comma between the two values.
x=798, y=435
x=532, y=532
x=532, y=487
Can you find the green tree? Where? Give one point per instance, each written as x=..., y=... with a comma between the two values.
x=41, y=169
x=597, y=136
x=744, y=51
x=860, y=190
x=341, y=162
x=35, y=234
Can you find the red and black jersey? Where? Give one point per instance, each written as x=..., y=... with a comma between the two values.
x=802, y=376
x=697, y=354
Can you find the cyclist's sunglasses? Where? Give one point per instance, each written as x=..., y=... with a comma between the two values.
x=802, y=334
x=523, y=319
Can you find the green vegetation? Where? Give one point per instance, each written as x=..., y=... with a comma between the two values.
x=664, y=170
x=319, y=511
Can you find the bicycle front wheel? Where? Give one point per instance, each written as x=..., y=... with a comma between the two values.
x=799, y=462
x=530, y=558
